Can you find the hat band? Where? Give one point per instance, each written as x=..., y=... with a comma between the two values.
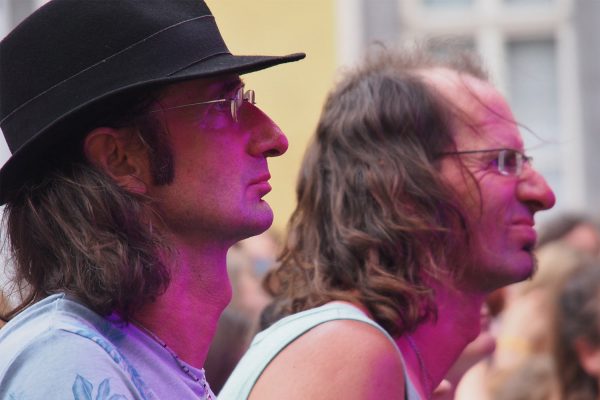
x=133, y=66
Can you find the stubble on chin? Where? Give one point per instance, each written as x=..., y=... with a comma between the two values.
x=534, y=265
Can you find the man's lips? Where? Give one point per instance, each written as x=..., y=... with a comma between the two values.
x=261, y=184
x=527, y=221
x=523, y=229
x=260, y=179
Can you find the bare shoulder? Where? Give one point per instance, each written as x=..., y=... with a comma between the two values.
x=338, y=359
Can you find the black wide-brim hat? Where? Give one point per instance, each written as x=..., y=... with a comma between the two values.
x=72, y=54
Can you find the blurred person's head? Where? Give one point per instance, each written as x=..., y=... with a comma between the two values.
x=524, y=329
x=577, y=230
x=534, y=379
x=248, y=295
x=577, y=326
x=262, y=250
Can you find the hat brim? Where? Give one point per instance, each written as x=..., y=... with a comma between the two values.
x=22, y=163
x=227, y=64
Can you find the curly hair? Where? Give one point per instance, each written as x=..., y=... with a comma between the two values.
x=374, y=221
x=71, y=229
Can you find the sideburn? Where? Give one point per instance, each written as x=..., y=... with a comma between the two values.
x=154, y=136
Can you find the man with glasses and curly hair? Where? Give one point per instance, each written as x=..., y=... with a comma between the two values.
x=415, y=201
x=138, y=159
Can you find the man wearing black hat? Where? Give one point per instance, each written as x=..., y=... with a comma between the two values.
x=138, y=159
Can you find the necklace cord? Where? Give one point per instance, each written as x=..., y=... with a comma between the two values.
x=178, y=361
x=423, y=371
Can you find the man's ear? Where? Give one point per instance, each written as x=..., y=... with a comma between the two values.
x=121, y=155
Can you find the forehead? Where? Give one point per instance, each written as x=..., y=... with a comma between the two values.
x=481, y=117
x=199, y=90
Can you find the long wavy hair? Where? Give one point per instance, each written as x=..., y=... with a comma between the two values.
x=577, y=318
x=72, y=229
x=374, y=222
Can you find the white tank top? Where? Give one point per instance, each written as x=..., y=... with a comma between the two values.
x=268, y=343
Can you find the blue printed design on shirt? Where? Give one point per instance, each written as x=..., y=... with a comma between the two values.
x=83, y=390
x=120, y=360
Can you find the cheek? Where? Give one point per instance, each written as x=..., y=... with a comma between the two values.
x=487, y=211
x=463, y=184
x=469, y=196
x=494, y=220
x=210, y=154
x=489, y=197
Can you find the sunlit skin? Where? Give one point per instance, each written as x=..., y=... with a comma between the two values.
x=349, y=360
x=220, y=177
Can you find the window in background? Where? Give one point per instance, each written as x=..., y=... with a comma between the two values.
x=532, y=84
x=19, y=9
x=12, y=12
x=533, y=95
x=381, y=22
x=444, y=47
x=4, y=17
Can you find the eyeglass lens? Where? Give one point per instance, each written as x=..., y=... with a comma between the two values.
x=238, y=100
x=510, y=162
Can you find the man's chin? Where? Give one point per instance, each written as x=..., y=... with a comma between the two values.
x=259, y=223
x=488, y=280
x=529, y=268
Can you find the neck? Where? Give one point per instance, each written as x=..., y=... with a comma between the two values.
x=434, y=346
x=185, y=317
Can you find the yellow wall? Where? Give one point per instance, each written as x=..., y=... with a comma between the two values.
x=292, y=94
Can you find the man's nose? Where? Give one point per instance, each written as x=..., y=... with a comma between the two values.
x=534, y=190
x=266, y=138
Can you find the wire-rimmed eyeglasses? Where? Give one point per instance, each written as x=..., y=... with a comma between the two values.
x=235, y=102
x=508, y=162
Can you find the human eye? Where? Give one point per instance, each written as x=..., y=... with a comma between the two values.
x=221, y=105
x=217, y=115
x=221, y=110
x=493, y=160
x=229, y=99
x=511, y=158
x=509, y=161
